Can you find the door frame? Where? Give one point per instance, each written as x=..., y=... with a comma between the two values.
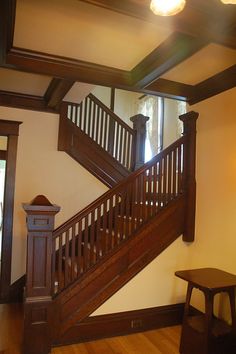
x=11, y=130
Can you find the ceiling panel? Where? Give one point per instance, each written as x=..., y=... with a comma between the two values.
x=206, y=63
x=78, y=92
x=82, y=31
x=16, y=81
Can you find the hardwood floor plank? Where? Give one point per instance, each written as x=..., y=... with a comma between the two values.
x=161, y=341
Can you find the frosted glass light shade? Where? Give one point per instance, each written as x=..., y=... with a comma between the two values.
x=167, y=7
x=229, y=2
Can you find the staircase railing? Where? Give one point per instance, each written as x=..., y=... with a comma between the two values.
x=112, y=219
x=105, y=128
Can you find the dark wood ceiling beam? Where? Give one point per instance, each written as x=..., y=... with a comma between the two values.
x=24, y=101
x=56, y=91
x=7, y=22
x=171, y=52
x=68, y=69
x=214, y=85
x=170, y=89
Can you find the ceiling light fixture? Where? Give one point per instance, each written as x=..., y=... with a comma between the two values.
x=167, y=7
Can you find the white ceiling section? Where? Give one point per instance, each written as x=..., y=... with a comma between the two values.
x=16, y=81
x=78, y=92
x=82, y=31
x=208, y=62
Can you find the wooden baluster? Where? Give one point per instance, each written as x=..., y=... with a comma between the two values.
x=81, y=116
x=110, y=224
x=60, y=260
x=38, y=316
x=97, y=123
x=130, y=158
x=101, y=140
x=92, y=237
x=160, y=183
x=98, y=237
x=111, y=135
x=94, y=121
x=80, y=260
x=189, y=120
x=154, y=188
x=104, y=226
x=67, y=260
x=117, y=131
x=85, y=244
x=139, y=125
x=170, y=176
x=125, y=157
x=121, y=147
x=106, y=134
x=85, y=115
x=174, y=173
x=89, y=116
x=73, y=260
x=138, y=200
x=164, y=196
x=75, y=115
x=116, y=229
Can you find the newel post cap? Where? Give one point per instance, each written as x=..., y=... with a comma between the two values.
x=189, y=116
x=41, y=204
x=139, y=119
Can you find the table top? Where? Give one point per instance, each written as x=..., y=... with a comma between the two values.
x=208, y=278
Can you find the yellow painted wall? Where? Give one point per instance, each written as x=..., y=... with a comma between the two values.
x=41, y=169
x=215, y=243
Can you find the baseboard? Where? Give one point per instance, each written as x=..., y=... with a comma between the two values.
x=122, y=323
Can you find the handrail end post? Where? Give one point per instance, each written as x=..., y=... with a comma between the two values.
x=139, y=126
x=38, y=317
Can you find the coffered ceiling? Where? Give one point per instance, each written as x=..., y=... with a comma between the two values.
x=57, y=49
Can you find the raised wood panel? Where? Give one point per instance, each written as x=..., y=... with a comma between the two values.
x=87, y=295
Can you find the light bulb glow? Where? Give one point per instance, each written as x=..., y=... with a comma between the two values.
x=229, y=2
x=167, y=7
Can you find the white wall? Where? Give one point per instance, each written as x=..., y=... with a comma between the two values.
x=41, y=169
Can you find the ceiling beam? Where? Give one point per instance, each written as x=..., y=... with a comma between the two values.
x=172, y=51
x=7, y=22
x=170, y=89
x=24, y=101
x=66, y=68
x=214, y=85
x=56, y=91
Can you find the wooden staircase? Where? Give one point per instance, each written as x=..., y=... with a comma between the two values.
x=98, y=139
x=72, y=270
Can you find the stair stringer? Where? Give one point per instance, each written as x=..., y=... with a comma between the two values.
x=105, y=279
x=89, y=154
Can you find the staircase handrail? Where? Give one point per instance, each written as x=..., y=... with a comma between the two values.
x=109, y=193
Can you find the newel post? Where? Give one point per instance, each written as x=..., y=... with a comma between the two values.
x=189, y=121
x=38, y=293
x=139, y=126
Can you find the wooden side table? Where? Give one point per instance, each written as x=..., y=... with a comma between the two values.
x=204, y=333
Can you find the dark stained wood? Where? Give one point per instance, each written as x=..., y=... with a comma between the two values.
x=38, y=292
x=56, y=91
x=17, y=290
x=3, y=155
x=170, y=89
x=117, y=324
x=216, y=84
x=67, y=68
x=83, y=149
x=7, y=22
x=212, y=335
x=112, y=103
x=189, y=155
x=176, y=48
x=139, y=125
x=24, y=101
x=11, y=130
x=127, y=262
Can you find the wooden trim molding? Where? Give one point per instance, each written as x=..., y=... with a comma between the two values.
x=123, y=323
x=11, y=130
x=7, y=23
x=56, y=91
x=24, y=101
x=214, y=85
x=175, y=49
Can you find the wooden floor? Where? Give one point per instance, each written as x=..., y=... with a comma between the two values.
x=162, y=341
